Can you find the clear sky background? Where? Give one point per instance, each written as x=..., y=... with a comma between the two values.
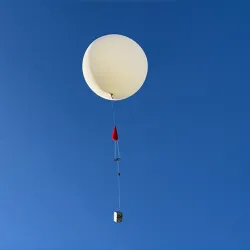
x=184, y=136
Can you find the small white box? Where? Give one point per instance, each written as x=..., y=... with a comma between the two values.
x=118, y=215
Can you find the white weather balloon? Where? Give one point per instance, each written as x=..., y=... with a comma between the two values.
x=114, y=64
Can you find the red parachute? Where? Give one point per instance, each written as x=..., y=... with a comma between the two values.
x=115, y=134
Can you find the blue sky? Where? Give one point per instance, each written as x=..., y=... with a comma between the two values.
x=184, y=136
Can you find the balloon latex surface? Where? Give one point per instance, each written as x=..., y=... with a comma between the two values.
x=114, y=64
